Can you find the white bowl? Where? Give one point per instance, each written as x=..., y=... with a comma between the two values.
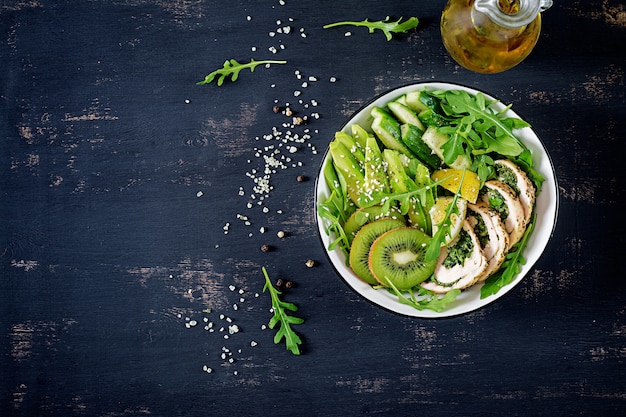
x=469, y=299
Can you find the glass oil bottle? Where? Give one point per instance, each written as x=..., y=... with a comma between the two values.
x=490, y=36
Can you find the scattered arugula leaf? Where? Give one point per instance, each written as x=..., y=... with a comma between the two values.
x=387, y=26
x=282, y=318
x=232, y=67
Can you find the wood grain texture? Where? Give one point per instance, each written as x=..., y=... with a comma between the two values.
x=131, y=222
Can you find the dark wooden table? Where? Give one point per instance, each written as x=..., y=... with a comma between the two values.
x=125, y=217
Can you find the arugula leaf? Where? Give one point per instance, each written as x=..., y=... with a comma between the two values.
x=443, y=229
x=511, y=265
x=474, y=127
x=331, y=210
x=281, y=318
x=424, y=299
x=231, y=68
x=386, y=26
x=336, y=209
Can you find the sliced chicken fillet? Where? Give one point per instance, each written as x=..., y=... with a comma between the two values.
x=497, y=244
x=459, y=276
x=523, y=187
x=514, y=219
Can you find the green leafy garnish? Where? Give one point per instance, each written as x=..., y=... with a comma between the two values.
x=439, y=238
x=232, y=67
x=511, y=265
x=387, y=26
x=284, y=320
x=336, y=209
x=424, y=299
x=475, y=129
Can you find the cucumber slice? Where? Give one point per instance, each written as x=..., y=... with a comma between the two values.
x=405, y=114
x=387, y=129
x=419, y=101
x=436, y=140
x=431, y=118
x=412, y=138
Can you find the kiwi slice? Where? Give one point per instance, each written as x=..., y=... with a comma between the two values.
x=360, y=248
x=367, y=215
x=397, y=256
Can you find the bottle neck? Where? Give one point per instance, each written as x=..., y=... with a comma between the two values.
x=512, y=13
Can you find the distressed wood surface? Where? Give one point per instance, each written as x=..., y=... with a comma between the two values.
x=124, y=214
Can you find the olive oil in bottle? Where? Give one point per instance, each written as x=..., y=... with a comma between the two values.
x=490, y=36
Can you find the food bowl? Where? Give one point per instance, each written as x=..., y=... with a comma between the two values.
x=546, y=208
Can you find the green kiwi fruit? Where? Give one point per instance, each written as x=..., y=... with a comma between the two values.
x=397, y=256
x=366, y=215
x=360, y=248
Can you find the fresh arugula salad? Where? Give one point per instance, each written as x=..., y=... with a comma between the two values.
x=433, y=195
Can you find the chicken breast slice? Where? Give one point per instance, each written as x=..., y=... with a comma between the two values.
x=514, y=220
x=459, y=276
x=497, y=244
x=523, y=187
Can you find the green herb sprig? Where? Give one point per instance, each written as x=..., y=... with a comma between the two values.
x=232, y=68
x=388, y=27
x=282, y=318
